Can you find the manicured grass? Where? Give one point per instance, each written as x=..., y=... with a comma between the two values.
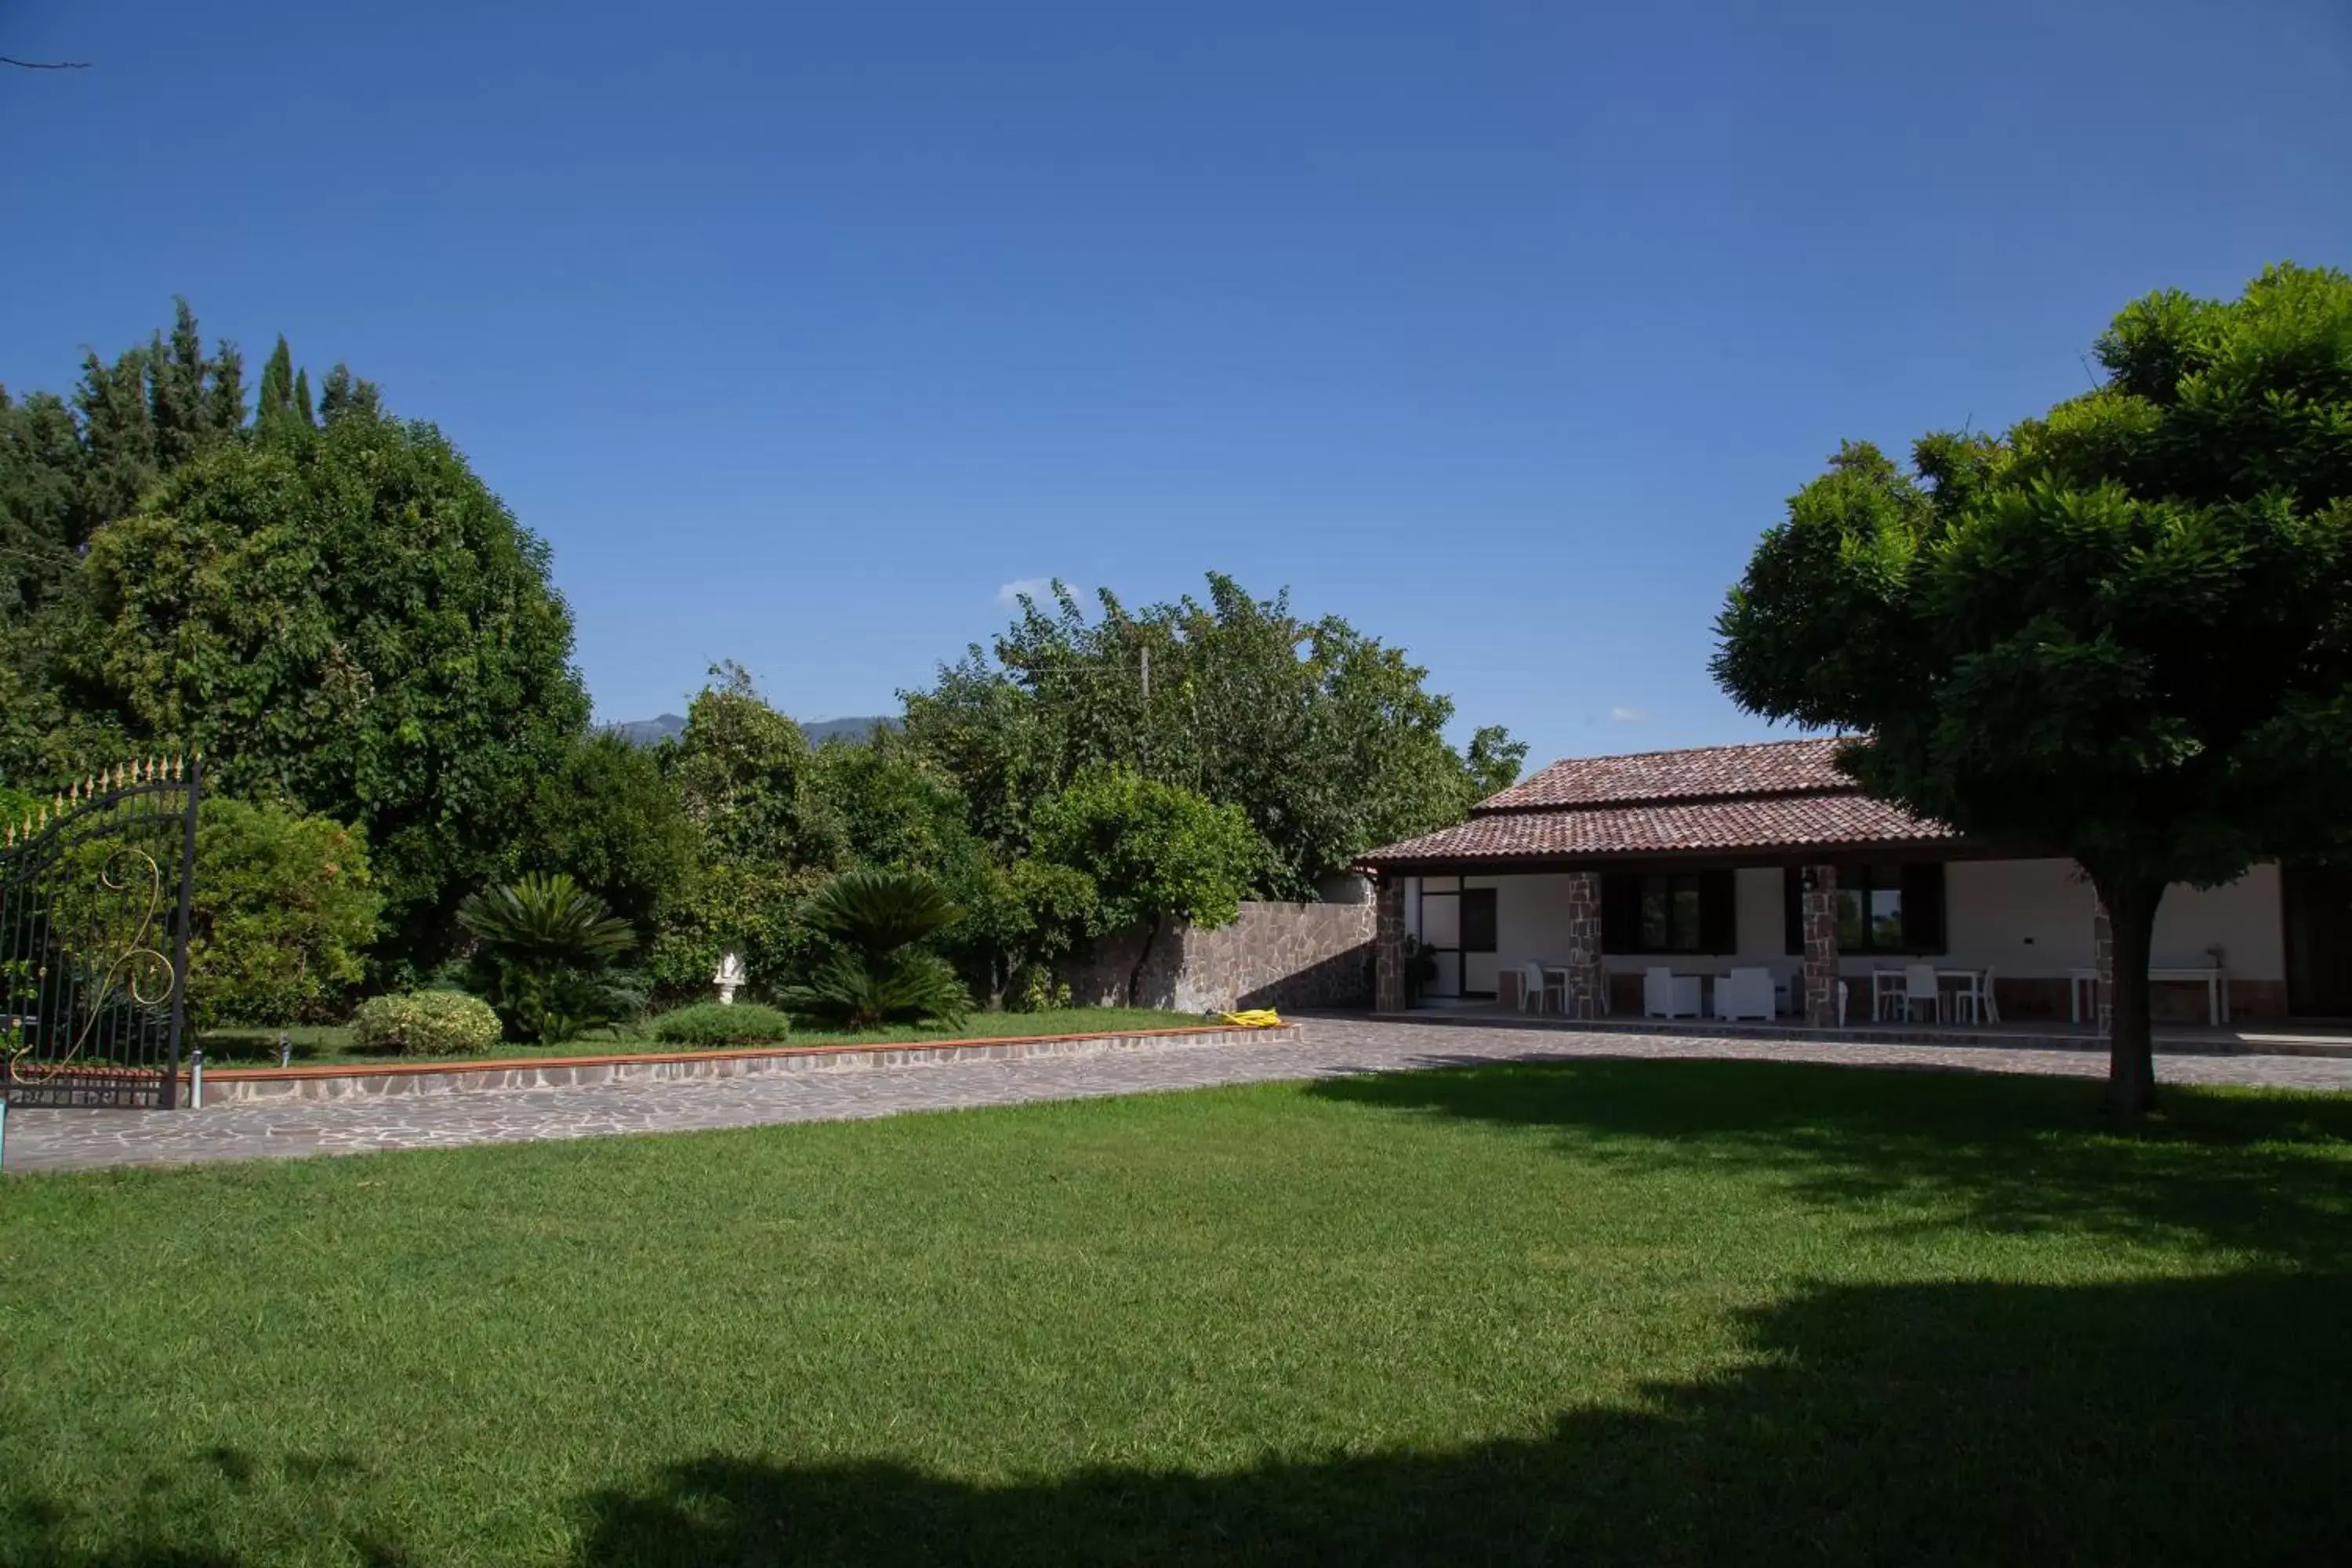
x=1606, y=1311
x=318, y=1043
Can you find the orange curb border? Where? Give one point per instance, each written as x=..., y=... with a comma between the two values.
x=410, y=1068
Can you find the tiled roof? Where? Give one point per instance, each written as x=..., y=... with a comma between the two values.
x=1706, y=773
x=1780, y=822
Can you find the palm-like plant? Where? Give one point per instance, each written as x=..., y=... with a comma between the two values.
x=878, y=975
x=543, y=920
x=541, y=945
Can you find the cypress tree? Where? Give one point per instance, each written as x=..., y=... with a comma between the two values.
x=302, y=399
x=224, y=397
x=343, y=392
x=277, y=398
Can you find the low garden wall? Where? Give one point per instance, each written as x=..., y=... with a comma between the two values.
x=238, y=1085
x=1272, y=955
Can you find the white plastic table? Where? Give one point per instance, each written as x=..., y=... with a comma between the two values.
x=2082, y=982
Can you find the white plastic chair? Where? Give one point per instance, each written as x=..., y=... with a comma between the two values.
x=1666, y=996
x=1886, y=993
x=1920, y=984
x=1976, y=1000
x=1534, y=989
x=1745, y=994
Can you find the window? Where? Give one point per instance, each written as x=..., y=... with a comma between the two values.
x=1870, y=909
x=1669, y=914
x=1881, y=909
x=1477, y=920
x=1660, y=912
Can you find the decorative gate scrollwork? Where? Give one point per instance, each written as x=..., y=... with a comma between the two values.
x=95, y=893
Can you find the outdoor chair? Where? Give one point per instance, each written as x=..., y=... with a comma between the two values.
x=1920, y=984
x=1666, y=995
x=1535, y=988
x=1745, y=994
x=1976, y=1000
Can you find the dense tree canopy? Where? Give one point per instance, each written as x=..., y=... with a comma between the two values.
x=362, y=640
x=350, y=619
x=1326, y=738
x=2122, y=632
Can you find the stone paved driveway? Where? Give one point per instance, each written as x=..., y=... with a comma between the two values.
x=82, y=1140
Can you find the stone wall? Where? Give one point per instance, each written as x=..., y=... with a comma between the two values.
x=1272, y=955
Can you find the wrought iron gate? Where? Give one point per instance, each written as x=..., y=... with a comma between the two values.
x=94, y=910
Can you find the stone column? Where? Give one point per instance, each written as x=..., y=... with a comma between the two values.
x=1587, y=978
x=2103, y=959
x=1388, y=945
x=1821, y=922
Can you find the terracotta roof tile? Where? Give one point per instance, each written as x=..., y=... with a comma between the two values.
x=1780, y=822
x=1767, y=768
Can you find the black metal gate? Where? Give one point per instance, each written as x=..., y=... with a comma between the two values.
x=94, y=907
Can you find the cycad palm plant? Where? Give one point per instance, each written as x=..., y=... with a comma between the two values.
x=877, y=973
x=541, y=944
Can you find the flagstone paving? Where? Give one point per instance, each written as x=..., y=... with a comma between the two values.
x=52, y=1140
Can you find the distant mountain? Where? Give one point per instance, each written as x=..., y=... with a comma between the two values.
x=669, y=726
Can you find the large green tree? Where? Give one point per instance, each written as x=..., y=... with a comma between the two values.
x=346, y=618
x=1327, y=740
x=68, y=467
x=1154, y=853
x=2122, y=632
x=764, y=839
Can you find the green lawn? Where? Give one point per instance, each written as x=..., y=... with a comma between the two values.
x=1607, y=1312
x=316, y=1044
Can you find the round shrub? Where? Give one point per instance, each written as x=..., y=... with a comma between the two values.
x=710, y=1024
x=426, y=1024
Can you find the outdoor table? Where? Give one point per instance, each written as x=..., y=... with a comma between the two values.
x=2085, y=982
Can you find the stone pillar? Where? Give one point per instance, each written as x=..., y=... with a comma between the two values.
x=2103, y=960
x=1587, y=978
x=1821, y=922
x=1388, y=945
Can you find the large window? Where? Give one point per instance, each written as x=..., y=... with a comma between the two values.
x=1870, y=909
x=1881, y=908
x=1669, y=914
x=1667, y=911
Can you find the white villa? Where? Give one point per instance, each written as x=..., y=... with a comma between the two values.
x=1586, y=880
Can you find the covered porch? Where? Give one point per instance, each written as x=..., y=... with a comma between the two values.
x=1880, y=936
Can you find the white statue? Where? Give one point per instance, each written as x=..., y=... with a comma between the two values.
x=730, y=976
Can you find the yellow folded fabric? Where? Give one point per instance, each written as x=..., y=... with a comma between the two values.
x=1253, y=1018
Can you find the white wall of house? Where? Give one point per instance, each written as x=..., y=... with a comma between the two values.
x=2015, y=917
x=2034, y=917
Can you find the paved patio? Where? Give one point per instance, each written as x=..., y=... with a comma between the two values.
x=41, y=1140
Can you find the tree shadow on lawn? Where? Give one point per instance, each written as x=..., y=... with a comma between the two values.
x=2264, y=1173
x=2177, y=1421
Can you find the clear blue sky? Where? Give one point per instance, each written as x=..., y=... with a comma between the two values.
x=1501, y=329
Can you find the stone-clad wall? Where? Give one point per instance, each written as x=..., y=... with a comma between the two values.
x=1272, y=955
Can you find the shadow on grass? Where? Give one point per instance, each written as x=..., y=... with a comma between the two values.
x=2200, y=1420
x=2268, y=1174
x=2181, y=1421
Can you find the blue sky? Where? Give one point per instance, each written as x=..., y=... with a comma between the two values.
x=1501, y=329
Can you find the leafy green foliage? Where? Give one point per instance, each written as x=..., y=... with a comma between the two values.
x=1323, y=736
x=605, y=815
x=283, y=910
x=2122, y=631
x=541, y=944
x=348, y=618
x=763, y=839
x=1152, y=851
x=712, y=1023
x=425, y=1024
x=873, y=919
